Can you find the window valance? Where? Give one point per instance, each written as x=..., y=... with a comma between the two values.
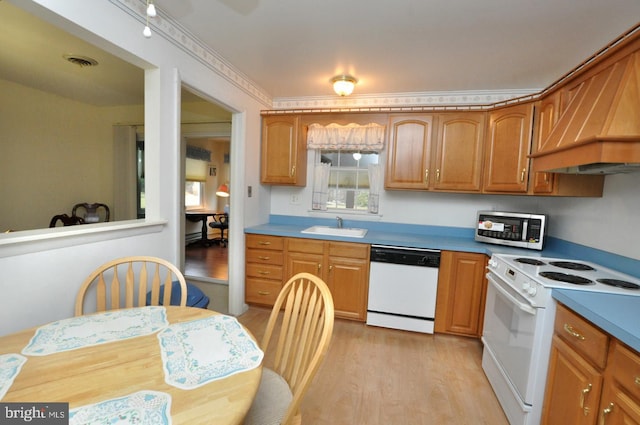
x=201, y=154
x=348, y=137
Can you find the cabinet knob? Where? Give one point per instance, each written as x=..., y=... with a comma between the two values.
x=264, y=243
x=583, y=397
x=264, y=292
x=293, y=171
x=438, y=175
x=263, y=272
x=605, y=412
x=264, y=257
x=426, y=175
x=522, y=174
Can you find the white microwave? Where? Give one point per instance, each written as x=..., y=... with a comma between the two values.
x=520, y=230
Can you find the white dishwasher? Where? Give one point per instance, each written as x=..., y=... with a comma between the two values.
x=402, y=288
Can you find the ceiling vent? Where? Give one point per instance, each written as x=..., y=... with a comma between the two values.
x=81, y=61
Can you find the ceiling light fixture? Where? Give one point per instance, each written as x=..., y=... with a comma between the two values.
x=151, y=13
x=343, y=85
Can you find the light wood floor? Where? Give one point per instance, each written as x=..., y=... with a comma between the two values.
x=377, y=376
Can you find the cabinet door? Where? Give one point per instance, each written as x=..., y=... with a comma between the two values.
x=459, y=152
x=461, y=293
x=573, y=388
x=508, y=143
x=298, y=262
x=284, y=155
x=348, y=281
x=546, y=117
x=409, y=152
x=618, y=408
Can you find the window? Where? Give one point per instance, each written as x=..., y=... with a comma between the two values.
x=193, y=191
x=348, y=178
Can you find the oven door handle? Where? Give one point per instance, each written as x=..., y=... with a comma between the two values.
x=522, y=306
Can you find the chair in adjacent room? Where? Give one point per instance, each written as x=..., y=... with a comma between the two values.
x=65, y=220
x=91, y=213
x=301, y=332
x=129, y=279
x=221, y=222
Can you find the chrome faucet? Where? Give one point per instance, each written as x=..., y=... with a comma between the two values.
x=339, y=224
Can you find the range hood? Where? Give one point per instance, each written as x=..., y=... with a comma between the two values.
x=599, y=130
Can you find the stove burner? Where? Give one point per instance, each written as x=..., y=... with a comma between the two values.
x=571, y=265
x=569, y=278
x=619, y=283
x=531, y=261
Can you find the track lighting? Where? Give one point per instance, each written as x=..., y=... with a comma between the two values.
x=151, y=13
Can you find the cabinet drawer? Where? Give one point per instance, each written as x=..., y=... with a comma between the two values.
x=625, y=368
x=265, y=242
x=308, y=246
x=349, y=250
x=264, y=271
x=582, y=336
x=261, y=291
x=262, y=256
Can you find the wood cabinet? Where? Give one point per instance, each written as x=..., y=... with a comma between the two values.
x=264, y=269
x=451, y=162
x=344, y=266
x=284, y=152
x=462, y=287
x=409, y=152
x=592, y=379
x=457, y=163
x=508, y=143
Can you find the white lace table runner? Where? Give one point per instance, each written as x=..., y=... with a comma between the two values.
x=141, y=408
x=83, y=331
x=200, y=351
x=10, y=365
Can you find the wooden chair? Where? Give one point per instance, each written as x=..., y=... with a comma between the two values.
x=124, y=282
x=303, y=332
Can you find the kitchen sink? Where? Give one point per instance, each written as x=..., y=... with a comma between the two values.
x=350, y=232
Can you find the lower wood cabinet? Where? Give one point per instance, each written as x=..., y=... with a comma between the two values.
x=264, y=269
x=462, y=288
x=592, y=379
x=344, y=266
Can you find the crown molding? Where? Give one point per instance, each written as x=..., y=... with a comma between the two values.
x=478, y=98
x=168, y=28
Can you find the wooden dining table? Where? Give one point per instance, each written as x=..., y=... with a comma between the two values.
x=92, y=374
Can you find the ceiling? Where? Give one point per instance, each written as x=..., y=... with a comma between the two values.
x=292, y=48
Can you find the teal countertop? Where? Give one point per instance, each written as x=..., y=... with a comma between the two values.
x=618, y=315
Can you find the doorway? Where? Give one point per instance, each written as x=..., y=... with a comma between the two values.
x=206, y=133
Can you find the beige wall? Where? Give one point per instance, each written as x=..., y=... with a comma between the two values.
x=54, y=153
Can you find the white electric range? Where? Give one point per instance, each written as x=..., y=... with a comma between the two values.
x=518, y=326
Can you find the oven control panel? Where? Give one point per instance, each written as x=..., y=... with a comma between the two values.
x=519, y=283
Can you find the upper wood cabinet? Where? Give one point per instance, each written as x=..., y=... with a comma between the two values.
x=457, y=162
x=408, y=152
x=284, y=153
x=508, y=143
x=451, y=162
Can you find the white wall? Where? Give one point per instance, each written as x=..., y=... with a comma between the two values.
x=40, y=273
x=609, y=223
